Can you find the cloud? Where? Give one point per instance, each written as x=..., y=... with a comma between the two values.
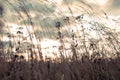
x=116, y=3
x=109, y=6
x=113, y=7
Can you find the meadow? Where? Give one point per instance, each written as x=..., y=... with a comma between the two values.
x=50, y=40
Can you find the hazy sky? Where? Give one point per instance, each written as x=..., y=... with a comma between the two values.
x=40, y=8
x=109, y=6
x=112, y=7
x=115, y=5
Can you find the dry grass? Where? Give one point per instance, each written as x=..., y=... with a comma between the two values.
x=97, y=69
x=84, y=59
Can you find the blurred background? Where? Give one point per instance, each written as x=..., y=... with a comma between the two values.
x=55, y=25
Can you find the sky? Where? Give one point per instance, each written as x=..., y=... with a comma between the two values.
x=112, y=7
x=109, y=6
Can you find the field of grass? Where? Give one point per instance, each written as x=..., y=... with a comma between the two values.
x=50, y=40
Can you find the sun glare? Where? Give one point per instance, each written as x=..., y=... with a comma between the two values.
x=98, y=2
x=101, y=2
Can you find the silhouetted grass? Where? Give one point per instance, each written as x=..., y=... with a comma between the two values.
x=81, y=56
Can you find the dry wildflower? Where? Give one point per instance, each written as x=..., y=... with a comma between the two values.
x=58, y=24
x=1, y=10
x=22, y=57
x=66, y=19
x=19, y=32
x=16, y=56
x=19, y=42
x=17, y=49
x=79, y=17
x=59, y=34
